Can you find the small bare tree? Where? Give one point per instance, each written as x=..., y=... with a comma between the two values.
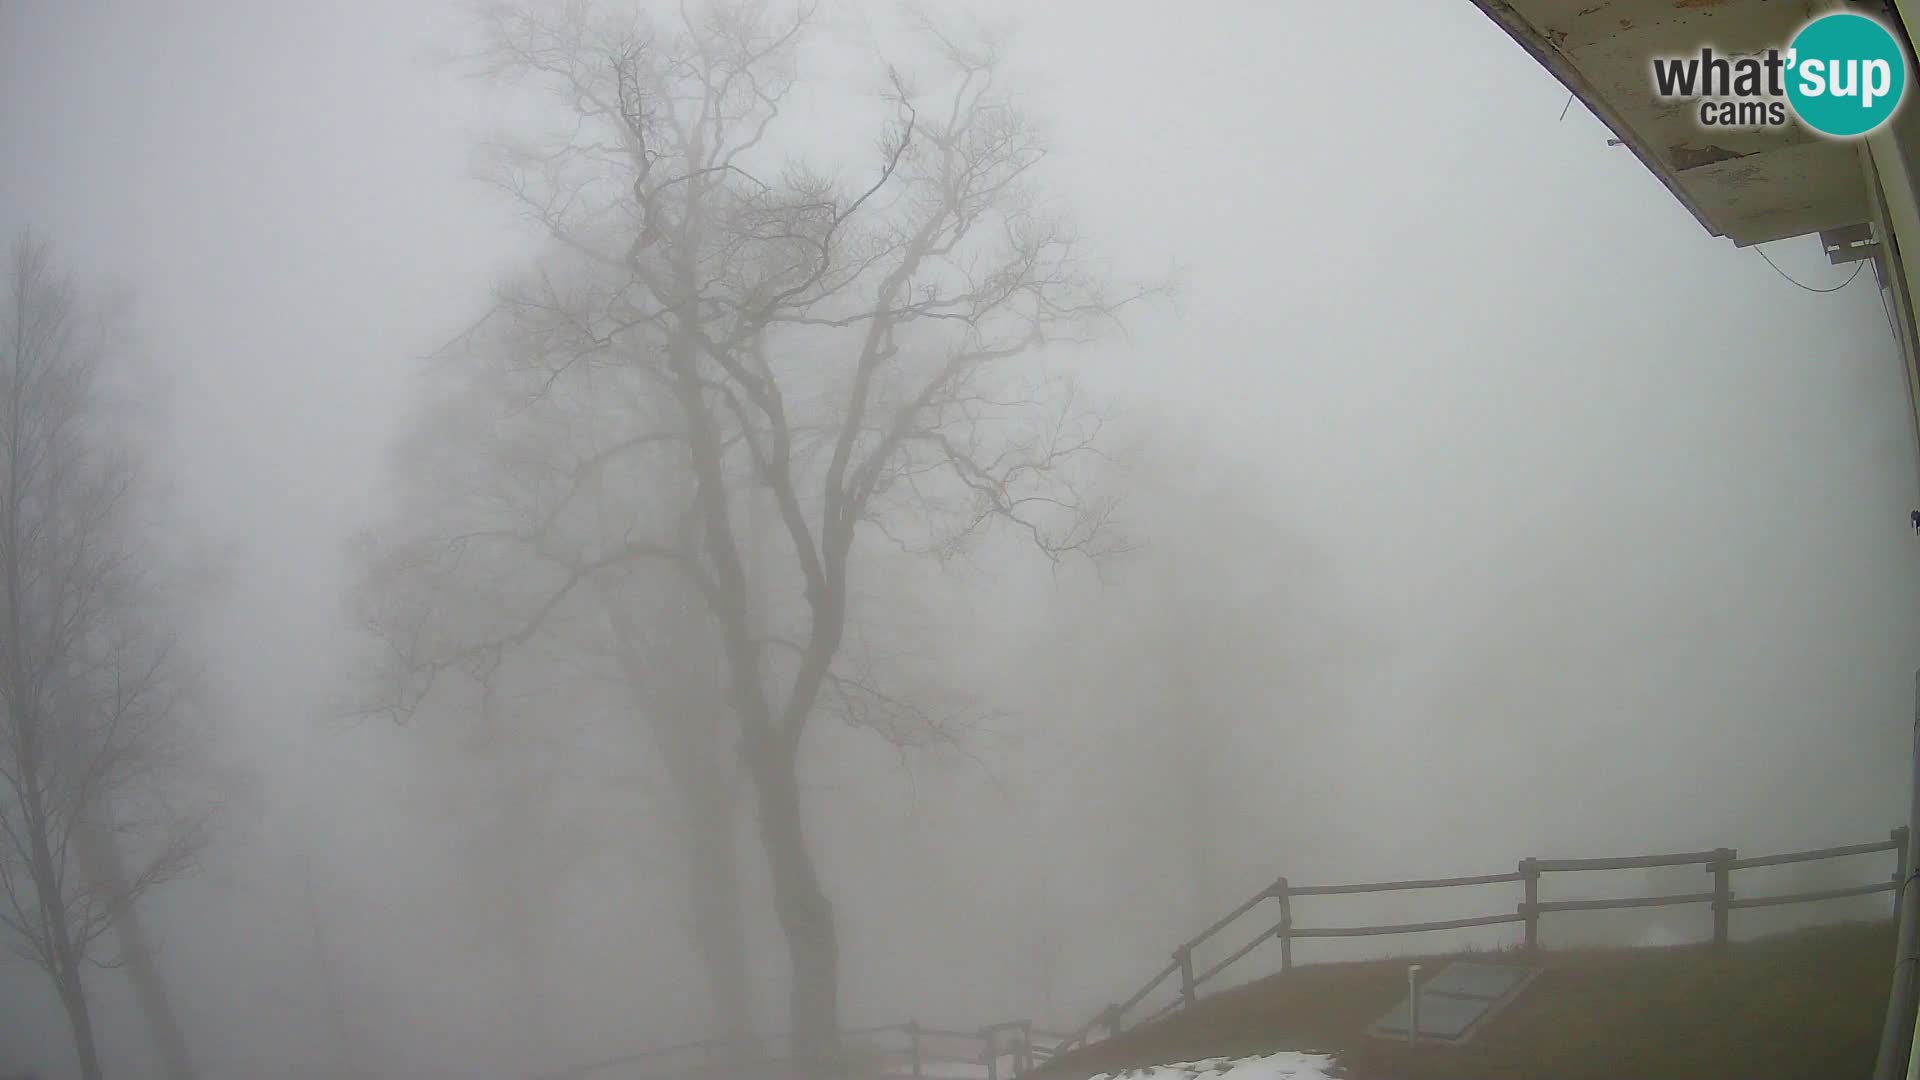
x=859, y=359
x=93, y=676
x=505, y=484
x=104, y=866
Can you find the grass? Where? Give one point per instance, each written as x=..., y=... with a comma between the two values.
x=1796, y=1006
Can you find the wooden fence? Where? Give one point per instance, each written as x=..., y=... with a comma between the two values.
x=1721, y=863
x=1015, y=1047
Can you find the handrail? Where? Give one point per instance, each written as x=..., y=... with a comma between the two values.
x=1239, y=955
x=1165, y=974
x=1396, y=886
x=1809, y=897
x=1633, y=902
x=1631, y=862
x=1403, y=928
x=1232, y=917
x=1810, y=856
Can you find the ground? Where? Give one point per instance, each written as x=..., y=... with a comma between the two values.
x=1801, y=1006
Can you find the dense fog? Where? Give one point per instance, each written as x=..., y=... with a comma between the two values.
x=1396, y=482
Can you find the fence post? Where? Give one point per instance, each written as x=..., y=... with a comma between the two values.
x=1026, y=1045
x=1286, y=924
x=1722, y=893
x=992, y=1059
x=1901, y=869
x=1530, y=907
x=1184, y=957
x=1413, y=1003
x=913, y=1045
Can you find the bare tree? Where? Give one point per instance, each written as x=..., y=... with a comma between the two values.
x=93, y=674
x=864, y=360
x=340, y=1044
x=100, y=861
x=493, y=505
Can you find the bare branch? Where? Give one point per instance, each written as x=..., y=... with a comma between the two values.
x=96, y=682
x=799, y=356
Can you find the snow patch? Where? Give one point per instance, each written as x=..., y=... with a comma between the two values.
x=1659, y=936
x=1283, y=1066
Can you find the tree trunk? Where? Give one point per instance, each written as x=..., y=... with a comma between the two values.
x=346, y=1057
x=806, y=917
x=679, y=699
x=804, y=912
x=100, y=862
x=719, y=925
x=73, y=996
x=689, y=742
x=61, y=957
x=519, y=882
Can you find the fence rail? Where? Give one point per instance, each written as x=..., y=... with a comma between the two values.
x=1403, y=928
x=1810, y=897
x=1816, y=854
x=1397, y=886
x=1633, y=862
x=1624, y=902
x=1014, y=1047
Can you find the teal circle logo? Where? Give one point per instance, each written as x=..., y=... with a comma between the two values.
x=1846, y=75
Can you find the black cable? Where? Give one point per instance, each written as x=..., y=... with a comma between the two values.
x=1858, y=266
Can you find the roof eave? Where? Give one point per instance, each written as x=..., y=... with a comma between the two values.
x=1527, y=37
